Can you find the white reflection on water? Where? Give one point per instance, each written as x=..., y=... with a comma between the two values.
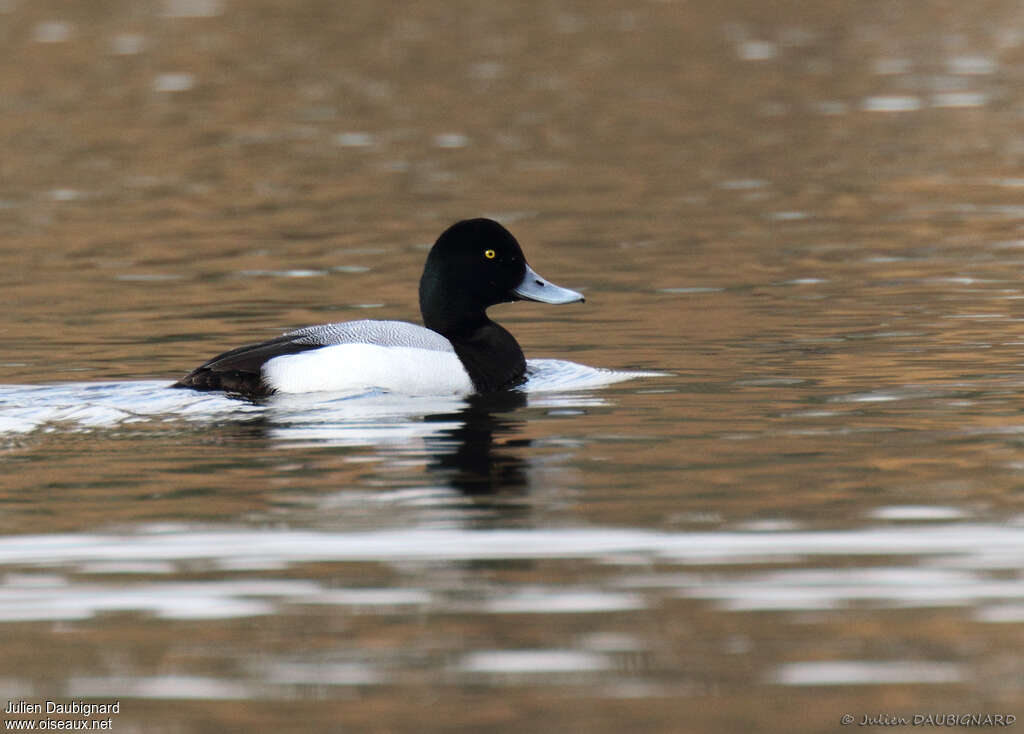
x=128, y=44
x=507, y=662
x=959, y=99
x=53, y=31
x=918, y=513
x=173, y=81
x=172, y=687
x=547, y=601
x=932, y=565
x=980, y=543
x=190, y=687
x=1001, y=614
x=276, y=679
x=24, y=599
x=891, y=103
x=972, y=65
x=756, y=50
x=948, y=565
x=833, y=588
x=375, y=599
x=861, y=672
x=354, y=140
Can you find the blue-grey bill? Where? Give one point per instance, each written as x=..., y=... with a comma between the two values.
x=535, y=288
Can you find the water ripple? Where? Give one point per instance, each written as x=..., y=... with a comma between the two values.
x=310, y=416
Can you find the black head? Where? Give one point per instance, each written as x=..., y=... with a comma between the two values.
x=477, y=263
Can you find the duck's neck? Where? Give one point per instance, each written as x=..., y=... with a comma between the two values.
x=491, y=355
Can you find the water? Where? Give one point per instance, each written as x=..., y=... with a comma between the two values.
x=768, y=475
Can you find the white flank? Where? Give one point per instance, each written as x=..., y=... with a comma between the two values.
x=360, y=367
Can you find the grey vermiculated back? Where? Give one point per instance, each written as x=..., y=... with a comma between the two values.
x=383, y=333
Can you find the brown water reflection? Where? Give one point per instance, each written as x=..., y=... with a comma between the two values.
x=808, y=216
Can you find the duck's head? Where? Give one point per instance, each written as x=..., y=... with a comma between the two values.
x=477, y=263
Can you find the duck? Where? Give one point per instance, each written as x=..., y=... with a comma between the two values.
x=459, y=350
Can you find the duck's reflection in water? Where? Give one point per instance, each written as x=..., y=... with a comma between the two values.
x=472, y=448
x=472, y=458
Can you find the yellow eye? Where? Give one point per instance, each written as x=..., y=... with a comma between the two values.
x=489, y=254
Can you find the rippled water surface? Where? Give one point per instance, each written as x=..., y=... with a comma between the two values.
x=768, y=475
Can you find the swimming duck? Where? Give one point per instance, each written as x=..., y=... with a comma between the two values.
x=475, y=264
